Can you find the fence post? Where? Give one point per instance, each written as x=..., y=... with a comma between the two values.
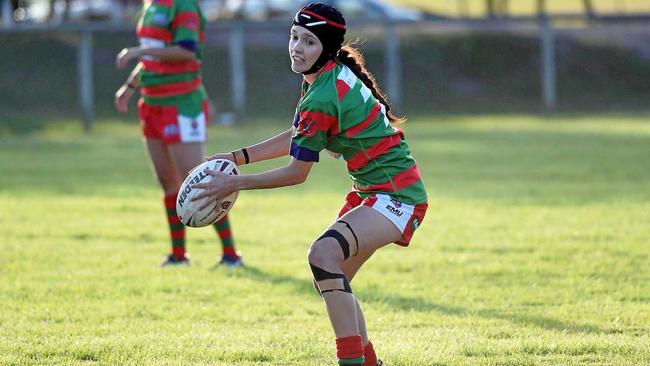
x=238, y=68
x=548, y=65
x=7, y=14
x=393, y=66
x=85, y=78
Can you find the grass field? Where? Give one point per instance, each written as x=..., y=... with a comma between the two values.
x=534, y=252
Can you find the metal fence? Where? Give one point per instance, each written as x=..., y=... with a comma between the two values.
x=235, y=34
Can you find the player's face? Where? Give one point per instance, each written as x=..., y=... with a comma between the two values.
x=304, y=49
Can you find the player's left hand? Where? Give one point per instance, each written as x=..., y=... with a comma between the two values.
x=126, y=55
x=122, y=98
x=219, y=187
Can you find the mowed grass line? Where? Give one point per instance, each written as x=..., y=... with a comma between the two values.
x=534, y=252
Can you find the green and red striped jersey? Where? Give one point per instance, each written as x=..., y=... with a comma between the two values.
x=339, y=113
x=164, y=23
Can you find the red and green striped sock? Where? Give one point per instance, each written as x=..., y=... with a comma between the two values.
x=225, y=234
x=176, y=228
x=369, y=354
x=349, y=351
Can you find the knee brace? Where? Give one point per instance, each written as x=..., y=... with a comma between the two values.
x=328, y=281
x=343, y=242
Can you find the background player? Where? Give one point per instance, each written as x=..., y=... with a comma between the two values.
x=174, y=108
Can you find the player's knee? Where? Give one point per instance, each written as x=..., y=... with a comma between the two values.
x=324, y=254
x=325, y=262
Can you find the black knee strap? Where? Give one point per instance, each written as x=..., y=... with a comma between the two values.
x=345, y=246
x=328, y=281
x=353, y=234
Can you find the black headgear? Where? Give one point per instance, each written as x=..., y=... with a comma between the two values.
x=328, y=25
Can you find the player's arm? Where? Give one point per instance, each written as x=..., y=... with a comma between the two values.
x=221, y=185
x=126, y=91
x=132, y=80
x=174, y=53
x=294, y=173
x=275, y=147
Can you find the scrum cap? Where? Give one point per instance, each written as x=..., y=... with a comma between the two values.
x=328, y=25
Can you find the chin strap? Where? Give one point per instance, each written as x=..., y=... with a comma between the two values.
x=322, y=61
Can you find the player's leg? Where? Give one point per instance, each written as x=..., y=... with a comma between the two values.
x=230, y=256
x=184, y=157
x=190, y=152
x=169, y=181
x=361, y=231
x=350, y=267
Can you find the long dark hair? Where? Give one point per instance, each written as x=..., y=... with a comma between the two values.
x=352, y=58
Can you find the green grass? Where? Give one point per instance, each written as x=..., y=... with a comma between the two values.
x=534, y=252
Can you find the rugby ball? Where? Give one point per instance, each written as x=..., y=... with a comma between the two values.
x=188, y=211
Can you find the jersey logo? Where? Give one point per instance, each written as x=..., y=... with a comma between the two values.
x=192, y=25
x=394, y=211
x=170, y=130
x=160, y=19
x=415, y=223
x=306, y=128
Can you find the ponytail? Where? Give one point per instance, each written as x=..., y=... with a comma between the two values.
x=352, y=58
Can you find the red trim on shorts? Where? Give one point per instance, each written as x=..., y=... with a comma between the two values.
x=353, y=200
x=154, y=119
x=206, y=111
x=370, y=201
x=414, y=222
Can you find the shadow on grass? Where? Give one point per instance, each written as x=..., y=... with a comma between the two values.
x=406, y=303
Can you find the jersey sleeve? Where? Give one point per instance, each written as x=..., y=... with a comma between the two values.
x=155, y=22
x=186, y=25
x=315, y=122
